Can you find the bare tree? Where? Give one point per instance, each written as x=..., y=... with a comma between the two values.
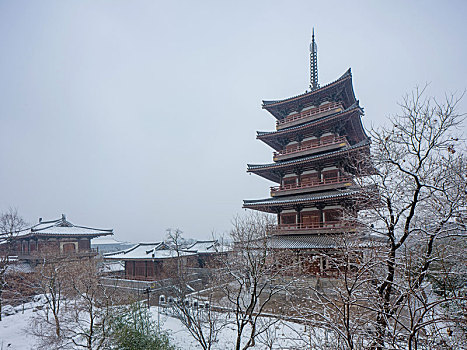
x=402, y=289
x=87, y=313
x=420, y=180
x=200, y=318
x=10, y=225
x=52, y=281
x=193, y=309
x=77, y=309
x=336, y=307
x=177, y=244
x=252, y=278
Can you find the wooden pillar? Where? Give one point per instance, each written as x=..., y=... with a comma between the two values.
x=340, y=169
x=299, y=172
x=319, y=169
x=320, y=207
x=278, y=211
x=299, y=140
x=298, y=209
x=318, y=134
x=283, y=142
x=281, y=179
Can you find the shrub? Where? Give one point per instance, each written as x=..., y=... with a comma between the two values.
x=132, y=328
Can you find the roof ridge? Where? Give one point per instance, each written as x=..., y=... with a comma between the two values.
x=42, y=223
x=122, y=251
x=33, y=229
x=93, y=228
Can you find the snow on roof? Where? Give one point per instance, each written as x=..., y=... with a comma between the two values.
x=106, y=240
x=62, y=227
x=205, y=246
x=112, y=266
x=158, y=250
x=162, y=250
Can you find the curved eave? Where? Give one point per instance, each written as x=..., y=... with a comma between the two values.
x=270, y=204
x=271, y=171
x=273, y=138
x=51, y=227
x=280, y=108
x=97, y=229
x=358, y=129
x=63, y=235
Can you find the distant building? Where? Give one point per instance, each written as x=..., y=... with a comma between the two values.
x=105, y=245
x=207, y=252
x=54, y=237
x=155, y=261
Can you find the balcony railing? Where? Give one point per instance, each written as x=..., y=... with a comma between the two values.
x=315, y=226
x=309, y=113
x=312, y=184
x=322, y=143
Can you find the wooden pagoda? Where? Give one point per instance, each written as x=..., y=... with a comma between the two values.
x=317, y=134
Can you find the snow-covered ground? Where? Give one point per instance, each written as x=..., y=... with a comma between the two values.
x=15, y=332
x=286, y=335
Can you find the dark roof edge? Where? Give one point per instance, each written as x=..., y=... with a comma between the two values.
x=267, y=104
x=350, y=109
x=363, y=143
x=252, y=202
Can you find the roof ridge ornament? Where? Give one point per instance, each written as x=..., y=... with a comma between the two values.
x=313, y=63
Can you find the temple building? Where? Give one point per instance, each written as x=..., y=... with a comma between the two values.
x=54, y=237
x=317, y=134
x=160, y=260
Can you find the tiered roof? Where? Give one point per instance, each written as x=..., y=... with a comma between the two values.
x=340, y=89
x=268, y=204
x=349, y=117
x=270, y=171
x=345, y=120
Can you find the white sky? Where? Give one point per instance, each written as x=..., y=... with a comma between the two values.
x=141, y=115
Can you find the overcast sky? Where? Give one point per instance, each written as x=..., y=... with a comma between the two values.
x=141, y=115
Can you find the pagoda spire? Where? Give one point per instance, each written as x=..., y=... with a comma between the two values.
x=313, y=63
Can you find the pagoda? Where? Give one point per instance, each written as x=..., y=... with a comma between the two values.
x=318, y=134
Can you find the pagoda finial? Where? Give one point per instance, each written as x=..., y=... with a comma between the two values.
x=313, y=63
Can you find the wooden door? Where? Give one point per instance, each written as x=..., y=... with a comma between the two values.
x=69, y=248
x=310, y=220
